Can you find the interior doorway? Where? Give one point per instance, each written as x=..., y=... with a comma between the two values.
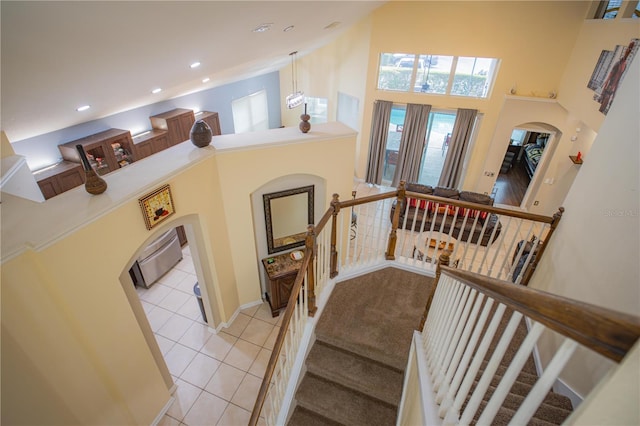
x=520, y=166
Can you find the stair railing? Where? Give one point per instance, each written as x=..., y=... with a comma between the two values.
x=461, y=330
x=363, y=234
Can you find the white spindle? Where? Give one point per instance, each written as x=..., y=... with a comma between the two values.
x=448, y=327
x=511, y=374
x=468, y=321
x=545, y=382
x=459, y=320
x=490, y=368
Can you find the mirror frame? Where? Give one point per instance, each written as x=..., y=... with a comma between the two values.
x=267, y=215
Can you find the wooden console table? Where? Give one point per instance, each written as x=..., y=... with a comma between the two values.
x=281, y=270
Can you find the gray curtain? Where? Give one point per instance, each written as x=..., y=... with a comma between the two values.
x=412, y=143
x=378, y=141
x=462, y=128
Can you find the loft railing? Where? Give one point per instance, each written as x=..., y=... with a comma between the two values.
x=363, y=233
x=455, y=344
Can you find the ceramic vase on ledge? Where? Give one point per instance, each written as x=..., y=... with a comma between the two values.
x=93, y=183
x=200, y=134
x=305, y=126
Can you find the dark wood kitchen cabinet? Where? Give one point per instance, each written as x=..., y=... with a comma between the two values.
x=150, y=143
x=281, y=272
x=107, y=151
x=62, y=177
x=211, y=118
x=177, y=123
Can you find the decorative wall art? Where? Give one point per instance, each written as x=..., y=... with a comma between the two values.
x=610, y=71
x=157, y=206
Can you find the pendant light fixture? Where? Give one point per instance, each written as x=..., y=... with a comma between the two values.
x=296, y=98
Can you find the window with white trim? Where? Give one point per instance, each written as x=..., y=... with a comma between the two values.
x=250, y=113
x=437, y=74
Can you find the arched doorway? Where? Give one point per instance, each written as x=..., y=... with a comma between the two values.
x=526, y=156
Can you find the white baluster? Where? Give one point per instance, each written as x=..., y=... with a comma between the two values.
x=540, y=390
x=510, y=376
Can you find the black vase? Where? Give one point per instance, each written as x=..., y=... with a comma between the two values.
x=200, y=134
x=93, y=183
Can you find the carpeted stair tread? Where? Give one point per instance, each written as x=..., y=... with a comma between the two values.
x=355, y=372
x=523, y=389
x=374, y=315
x=342, y=405
x=303, y=417
x=504, y=415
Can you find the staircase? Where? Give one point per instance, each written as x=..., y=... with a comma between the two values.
x=355, y=368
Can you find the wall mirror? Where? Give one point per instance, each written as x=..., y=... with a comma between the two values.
x=287, y=215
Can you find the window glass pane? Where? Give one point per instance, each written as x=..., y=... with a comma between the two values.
x=317, y=109
x=433, y=73
x=473, y=76
x=250, y=113
x=439, y=131
x=395, y=71
x=393, y=141
x=611, y=11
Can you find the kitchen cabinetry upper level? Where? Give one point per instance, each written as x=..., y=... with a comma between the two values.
x=107, y=151
x=177, y=123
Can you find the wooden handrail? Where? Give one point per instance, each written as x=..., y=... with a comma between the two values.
x=277, y=347
x=603, y=330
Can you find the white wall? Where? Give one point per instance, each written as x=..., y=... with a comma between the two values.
x=593, y=255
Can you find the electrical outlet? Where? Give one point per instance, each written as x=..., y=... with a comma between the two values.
x=536, y=202
x=488, y=173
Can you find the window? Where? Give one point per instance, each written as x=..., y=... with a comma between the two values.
x=439, y=129
x=473, y=77
x=250, y=113
x=437, y=74
x=317, y=109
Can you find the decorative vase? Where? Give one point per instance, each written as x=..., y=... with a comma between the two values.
x=93, y=183
x=200, y=134
x=305, y=126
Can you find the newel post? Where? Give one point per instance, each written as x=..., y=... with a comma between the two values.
x=335, y=204
x=534, y=263
x=393, y=237
x=442, y=260
x=310, y=247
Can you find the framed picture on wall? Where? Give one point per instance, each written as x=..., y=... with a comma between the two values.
x=157, y=206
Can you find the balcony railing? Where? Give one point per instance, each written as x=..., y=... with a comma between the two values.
x=365, y=234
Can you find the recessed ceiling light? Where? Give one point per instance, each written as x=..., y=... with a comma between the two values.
x=83, y=108
x=156, y=90
x=206, y=80
x=195, y=65
x=262, y=28
x=289, y=28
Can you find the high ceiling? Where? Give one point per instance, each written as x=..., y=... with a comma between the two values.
x=58, y=56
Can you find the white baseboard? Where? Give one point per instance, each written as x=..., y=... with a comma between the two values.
x=164, y=410
x=236, y=313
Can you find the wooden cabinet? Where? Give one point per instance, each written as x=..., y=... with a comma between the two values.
x=177, y=123
x=211, y=118
x=150, y=143
x=281, y=273
x=60, y=178
x=107, y=151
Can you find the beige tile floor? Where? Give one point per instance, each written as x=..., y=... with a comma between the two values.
x=217, y=375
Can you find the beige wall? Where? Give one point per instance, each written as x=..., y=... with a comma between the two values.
x=532, y=39
x=593, y=255
x=72, y=346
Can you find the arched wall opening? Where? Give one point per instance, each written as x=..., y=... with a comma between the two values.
x=204, y=266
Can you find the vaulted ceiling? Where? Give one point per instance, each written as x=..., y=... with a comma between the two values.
x=58, y=56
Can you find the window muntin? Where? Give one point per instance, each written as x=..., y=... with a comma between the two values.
x=433, y=74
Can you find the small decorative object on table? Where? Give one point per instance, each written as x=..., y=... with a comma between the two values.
x=200, y=134
x=94, y=184
x=305, y=126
